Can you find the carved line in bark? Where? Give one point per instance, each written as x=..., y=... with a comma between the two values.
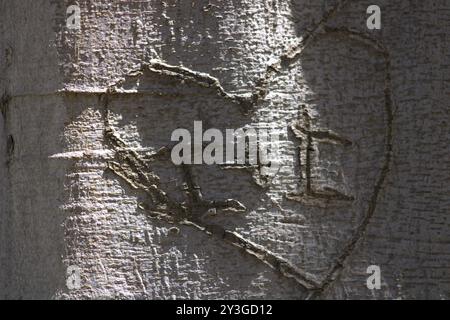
x=294, y=52
x=303, y=132
x=10, y=144
x=246, y=101
x=4, y=103
x=186, y=75
x=335, y=271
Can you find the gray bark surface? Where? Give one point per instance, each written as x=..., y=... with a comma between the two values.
x=83, y=113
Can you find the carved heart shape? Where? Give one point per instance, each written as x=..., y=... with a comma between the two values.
x=306, y=219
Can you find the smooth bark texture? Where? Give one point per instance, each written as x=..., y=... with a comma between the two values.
x=363, y=177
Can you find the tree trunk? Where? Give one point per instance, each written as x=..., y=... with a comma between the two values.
x=91, y=205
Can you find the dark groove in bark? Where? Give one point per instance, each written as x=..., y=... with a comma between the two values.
x=335, y=271
x=261, y=88
x=5, y=101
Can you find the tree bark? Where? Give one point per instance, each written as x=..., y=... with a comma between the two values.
x=87, y=191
